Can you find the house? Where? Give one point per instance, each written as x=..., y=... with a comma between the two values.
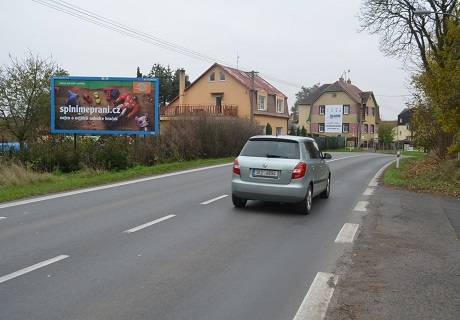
x=226, y=91
x=359, y=113
x=402, y=133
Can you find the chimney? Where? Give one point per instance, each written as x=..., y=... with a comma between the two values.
x=181, y=86
x=349, y=81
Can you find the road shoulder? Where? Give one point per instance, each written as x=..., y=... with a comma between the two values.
x=405, y=263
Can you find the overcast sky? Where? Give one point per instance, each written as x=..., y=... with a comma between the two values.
x=303, y=42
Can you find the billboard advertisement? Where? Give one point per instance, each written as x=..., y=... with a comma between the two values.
x=100, y=105
x=333, y=118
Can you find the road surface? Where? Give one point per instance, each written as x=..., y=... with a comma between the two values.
x=172, y=248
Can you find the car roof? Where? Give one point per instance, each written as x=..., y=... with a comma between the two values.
x=281, y=137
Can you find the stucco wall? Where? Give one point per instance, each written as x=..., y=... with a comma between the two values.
x=274, y=123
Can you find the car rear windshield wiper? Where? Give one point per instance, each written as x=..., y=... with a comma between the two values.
x=273, y=155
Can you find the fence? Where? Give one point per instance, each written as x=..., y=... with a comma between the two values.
x=326, y=143
x=212, y=110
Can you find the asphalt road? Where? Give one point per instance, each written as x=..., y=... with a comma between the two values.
x=207, y=261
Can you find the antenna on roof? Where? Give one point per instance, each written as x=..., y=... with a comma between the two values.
x=237, y=60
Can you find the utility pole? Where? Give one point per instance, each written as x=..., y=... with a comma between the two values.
x=252, y=94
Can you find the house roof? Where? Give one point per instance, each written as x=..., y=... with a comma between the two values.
x=243, y=77
x=351, y=90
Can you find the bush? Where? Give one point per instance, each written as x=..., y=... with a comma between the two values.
x=187, y=138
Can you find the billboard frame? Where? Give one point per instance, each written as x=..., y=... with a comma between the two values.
x=155, y=132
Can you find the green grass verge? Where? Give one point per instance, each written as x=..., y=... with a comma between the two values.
x=58, y=182
x=420, y=173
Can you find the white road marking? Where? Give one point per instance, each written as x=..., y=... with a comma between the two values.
x=1, y=218
x=108, y=186
x=315, y=303
x=32, y=268
x=148, y=224
x=374, y=182
x=368, y=191
x=361, y=206
x=215, y=199
x=347, y=233
x=359, y=155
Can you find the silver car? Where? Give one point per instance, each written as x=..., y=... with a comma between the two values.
x=281, y=169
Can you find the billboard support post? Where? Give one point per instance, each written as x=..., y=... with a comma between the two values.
x=75, y=142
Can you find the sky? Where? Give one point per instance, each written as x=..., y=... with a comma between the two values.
x=301, y=42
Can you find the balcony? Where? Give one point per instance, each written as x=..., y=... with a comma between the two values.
x=225, y=110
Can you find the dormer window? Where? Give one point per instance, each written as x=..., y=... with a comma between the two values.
x=222, y=76
x=212, y=76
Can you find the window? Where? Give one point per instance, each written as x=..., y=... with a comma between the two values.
x=271, y=147
x=320, y=127
x=346, y=109
x=279, y=131
x=345, y=127
x=372, y=128
x=222, y=76
x=212, y=76
x=261, y=105
x=373, y=111
x=322, y=109
x=312, y=150
x=366, y=128
x=279, y=106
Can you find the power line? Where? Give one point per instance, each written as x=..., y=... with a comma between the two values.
x=110, y=24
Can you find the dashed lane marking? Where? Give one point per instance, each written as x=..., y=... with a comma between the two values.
x=215, y=199
x=148, y=224
x=32, y=268
x=315, y=303
x=361, y=206
x=347, y=233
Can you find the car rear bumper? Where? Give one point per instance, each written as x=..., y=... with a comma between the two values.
x=293, y=192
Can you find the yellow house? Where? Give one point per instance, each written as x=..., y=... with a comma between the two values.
x=227, y=91
x=360, y=112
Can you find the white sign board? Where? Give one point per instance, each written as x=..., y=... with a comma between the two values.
x=333, y=118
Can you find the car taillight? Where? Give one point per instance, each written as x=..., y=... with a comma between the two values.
x=299, y=170
x=236, y=167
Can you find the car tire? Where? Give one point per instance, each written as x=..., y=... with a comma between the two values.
x=238, y=202
x=305, y=205
x=327, y=191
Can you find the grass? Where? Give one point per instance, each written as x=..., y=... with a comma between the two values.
x=425, y=174
x=18, y=182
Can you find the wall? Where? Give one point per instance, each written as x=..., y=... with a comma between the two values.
x=233, y=92
x=274, y=123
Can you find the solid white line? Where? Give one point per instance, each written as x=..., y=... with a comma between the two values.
x=347, y=233
x=315, y=303
x=32, y=268
x=108, y=186
x=1, y=218
x=374, y=182
x=368, y=192
x=148, y=224
x=215, y=199
x=359, y=155
x=361, y=206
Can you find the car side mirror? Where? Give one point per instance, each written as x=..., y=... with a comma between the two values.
x=327, y=156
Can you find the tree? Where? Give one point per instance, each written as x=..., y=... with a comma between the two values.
x=169, y=82
x=292, y=131
x=303, y=132
x=268, y=129
x=386, y=133
x=303, y=93
x=403, y=32
x=25, y=95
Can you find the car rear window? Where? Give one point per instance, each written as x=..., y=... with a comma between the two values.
x=271, y=148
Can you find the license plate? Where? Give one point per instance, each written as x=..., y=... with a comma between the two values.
x=265, y=173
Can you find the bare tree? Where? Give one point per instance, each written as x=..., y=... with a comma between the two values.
x=25, y=94
x=407, y=34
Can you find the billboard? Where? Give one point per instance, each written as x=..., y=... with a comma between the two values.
x=100, y=105
x=333, y=118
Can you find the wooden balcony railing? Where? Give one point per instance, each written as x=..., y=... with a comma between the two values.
x=229, y=110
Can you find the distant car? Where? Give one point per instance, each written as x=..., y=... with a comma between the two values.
x=286, y=169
